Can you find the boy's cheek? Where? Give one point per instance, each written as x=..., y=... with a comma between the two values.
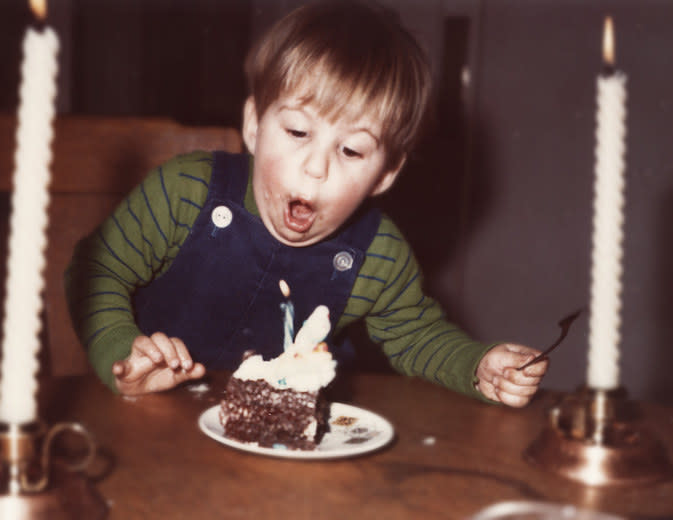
x=268, y=168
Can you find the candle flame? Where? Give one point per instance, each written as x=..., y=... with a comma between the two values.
x=39, y=8
x=284, y=288
x=608, y=42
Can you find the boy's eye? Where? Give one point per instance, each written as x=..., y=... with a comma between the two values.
x=296, y=133
x=350, y=153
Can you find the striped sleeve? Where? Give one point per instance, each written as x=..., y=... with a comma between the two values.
x=133, y=246
x=410, y=326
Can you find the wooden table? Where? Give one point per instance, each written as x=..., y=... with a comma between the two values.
x=156, y=463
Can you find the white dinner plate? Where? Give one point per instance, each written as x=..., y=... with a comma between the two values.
x=353, y=431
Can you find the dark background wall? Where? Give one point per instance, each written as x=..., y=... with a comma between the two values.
x=497, y=201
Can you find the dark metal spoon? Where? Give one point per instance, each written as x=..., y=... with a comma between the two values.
x=565, y=326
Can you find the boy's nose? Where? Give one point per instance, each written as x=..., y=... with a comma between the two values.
x=316, y=164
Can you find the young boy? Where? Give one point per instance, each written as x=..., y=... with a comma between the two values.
x=184, y=275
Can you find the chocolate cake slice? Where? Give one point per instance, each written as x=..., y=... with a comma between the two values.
x=280, y=403
x=256, y=412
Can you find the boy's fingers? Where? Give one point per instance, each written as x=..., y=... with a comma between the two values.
x=146, y=346
x=522, y=349
x=537, y=369
x=119, y=368
x=183, y=354
x=503, y=385
x=132, y=368
x=522, y=378
x=501, y=381
x=513, y=400
x=197, y=371
x=506, y=392
x=518, y=355
x=488, y=390
x=156, y=363
x=167, y=348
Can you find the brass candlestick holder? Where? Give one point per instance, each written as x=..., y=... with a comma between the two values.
x=595, y=437
x=34, y=486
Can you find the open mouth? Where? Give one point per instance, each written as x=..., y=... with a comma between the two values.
x=299, y=215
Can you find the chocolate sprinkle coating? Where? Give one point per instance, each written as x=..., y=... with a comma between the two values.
x=255, y=411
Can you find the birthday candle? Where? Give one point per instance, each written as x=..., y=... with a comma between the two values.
x=608, y=221
x=27, y=226
x=288, y=315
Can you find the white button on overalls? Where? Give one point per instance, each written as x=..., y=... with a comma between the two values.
x=221, y=216
x=342, y=261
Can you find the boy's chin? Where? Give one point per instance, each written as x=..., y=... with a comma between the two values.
x=292, y=238
x=301, y=241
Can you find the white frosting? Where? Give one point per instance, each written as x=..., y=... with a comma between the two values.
x=301, y=367
x=314, y=330
x=303, y=373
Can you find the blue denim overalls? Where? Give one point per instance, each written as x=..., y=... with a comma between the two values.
x=221, y=295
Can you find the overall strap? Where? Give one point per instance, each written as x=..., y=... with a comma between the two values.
x=229, y=179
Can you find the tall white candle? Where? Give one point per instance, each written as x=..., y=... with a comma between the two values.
x=27, y=228
x=608, y=223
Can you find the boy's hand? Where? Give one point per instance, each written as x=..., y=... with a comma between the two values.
x=500, y=380
x=156, y=363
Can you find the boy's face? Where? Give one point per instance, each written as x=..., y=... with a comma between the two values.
x=311, y=174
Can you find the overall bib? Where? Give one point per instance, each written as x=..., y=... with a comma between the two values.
x=221, y=294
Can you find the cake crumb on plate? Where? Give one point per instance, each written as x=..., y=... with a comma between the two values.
x=199, y=388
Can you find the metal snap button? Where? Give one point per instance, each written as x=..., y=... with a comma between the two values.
x=342, y=261
x=221, y=216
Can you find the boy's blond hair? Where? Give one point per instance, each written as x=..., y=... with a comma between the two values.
x=349, y=59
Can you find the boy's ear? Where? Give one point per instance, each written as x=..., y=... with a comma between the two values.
x=388, y=179
x=250, y=124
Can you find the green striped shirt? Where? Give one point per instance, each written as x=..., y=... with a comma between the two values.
x=144, y=234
